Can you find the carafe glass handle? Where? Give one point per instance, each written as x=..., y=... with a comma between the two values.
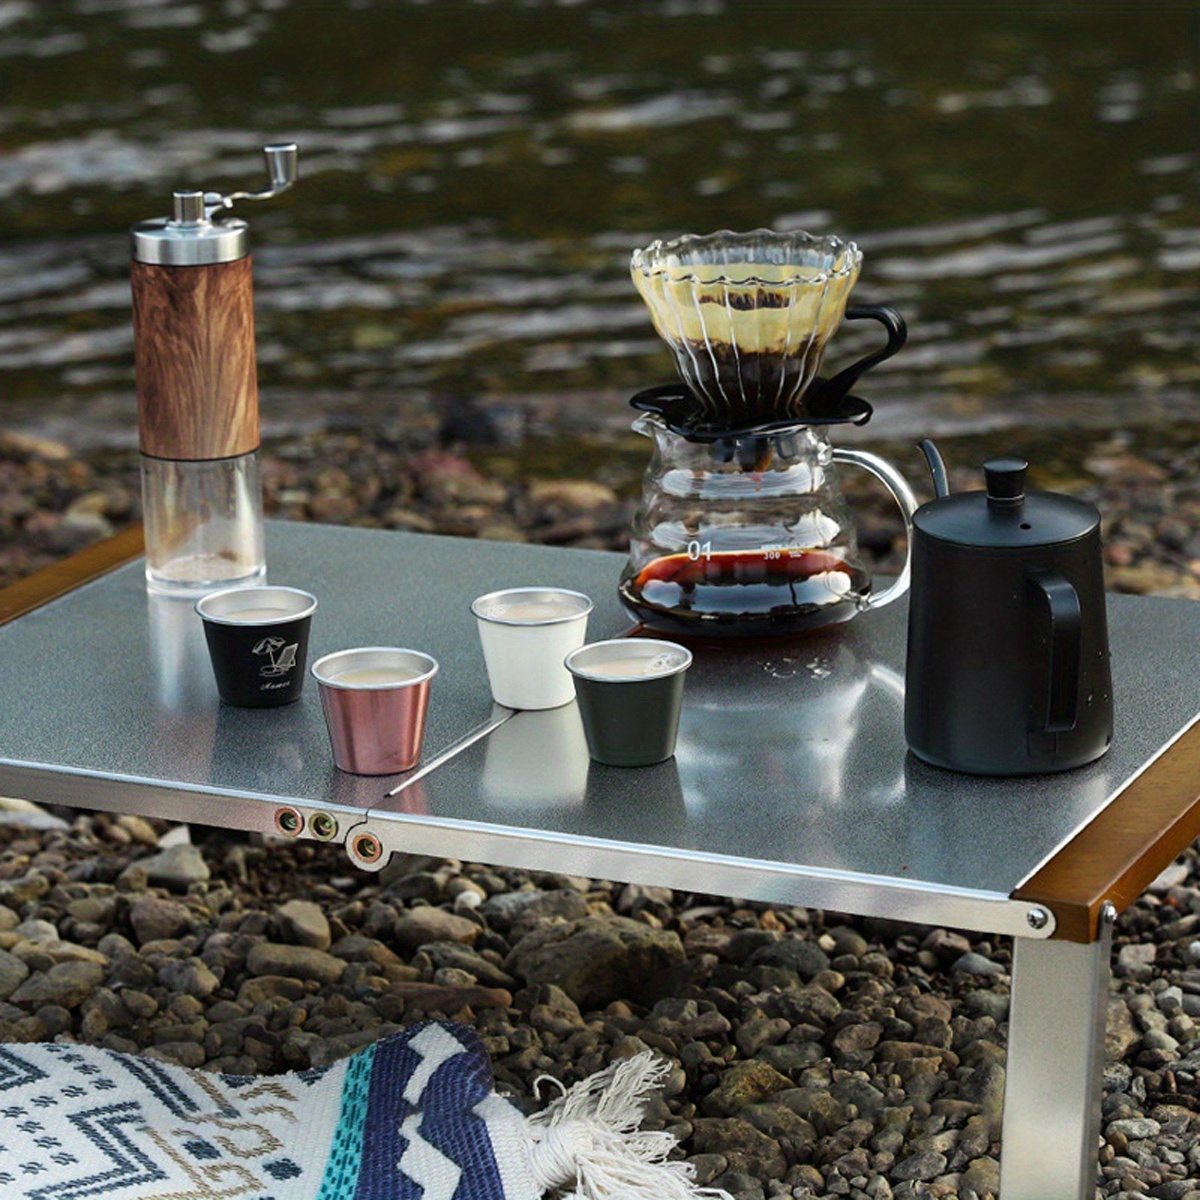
x=904, y=497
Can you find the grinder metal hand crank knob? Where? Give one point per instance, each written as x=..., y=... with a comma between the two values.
x=281, y=174
x=281, y=165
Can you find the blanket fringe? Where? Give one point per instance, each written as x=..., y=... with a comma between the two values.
x=589, y=1139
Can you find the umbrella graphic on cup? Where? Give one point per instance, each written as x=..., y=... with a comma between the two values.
x=281, y=656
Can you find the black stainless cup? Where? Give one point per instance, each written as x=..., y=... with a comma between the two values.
x=258, y=642
x=630, y=692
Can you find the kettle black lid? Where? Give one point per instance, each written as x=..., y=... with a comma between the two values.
x=1005, y=516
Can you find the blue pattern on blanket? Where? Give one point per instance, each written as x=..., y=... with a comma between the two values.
x=413, y=1117
x=393, y=1122
x=433, y=1129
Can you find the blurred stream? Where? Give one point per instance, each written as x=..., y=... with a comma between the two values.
x=1022, y=180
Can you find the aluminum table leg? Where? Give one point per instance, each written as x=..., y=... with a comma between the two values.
x=1050, y=1136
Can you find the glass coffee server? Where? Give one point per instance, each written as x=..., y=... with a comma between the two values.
x=743, y=530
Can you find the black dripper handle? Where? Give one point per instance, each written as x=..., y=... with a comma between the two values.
x=832, y=390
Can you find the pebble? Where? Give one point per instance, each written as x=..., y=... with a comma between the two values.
x=745, y=1083
x=190, y=977
x=507, y=910
x=13, y=972
x=1135, y=1128
x=430, y=924
x=1121, y=1033
x=972, y=963
x=1170, y=1001
x=295, y=962
x=154, y=917
x=29, y=816
x=805, y=958
x=302, y=923
x=37, y=932
x=1136, y=960
x=596, y=960
x=430, y=997
x=987, y=1003
x=177, y=868
x=65, y=984
x=924, y=1166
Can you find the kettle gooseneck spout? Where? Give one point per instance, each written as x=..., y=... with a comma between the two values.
x=937, y=467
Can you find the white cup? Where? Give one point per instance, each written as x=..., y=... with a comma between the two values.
x=526, y=633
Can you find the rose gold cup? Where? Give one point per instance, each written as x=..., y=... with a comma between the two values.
x=375, y=700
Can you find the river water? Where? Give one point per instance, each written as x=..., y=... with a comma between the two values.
x=1022, y=180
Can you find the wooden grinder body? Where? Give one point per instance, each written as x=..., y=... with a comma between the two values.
x=194, y=355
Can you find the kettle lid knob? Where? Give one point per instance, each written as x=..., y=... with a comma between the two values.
x=1005, y=481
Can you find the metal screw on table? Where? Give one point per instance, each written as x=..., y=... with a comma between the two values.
x=322, y=826
x=367, y=847
x=1038, y=918
x=288, y=821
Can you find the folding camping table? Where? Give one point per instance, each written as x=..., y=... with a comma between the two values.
x=791, y=783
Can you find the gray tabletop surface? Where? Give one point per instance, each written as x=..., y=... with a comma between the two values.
x=791, y=753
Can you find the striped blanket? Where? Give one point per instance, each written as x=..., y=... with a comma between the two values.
x=413, y=1117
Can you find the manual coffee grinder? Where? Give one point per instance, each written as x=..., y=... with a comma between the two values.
x=743, y=530
x=197, y=385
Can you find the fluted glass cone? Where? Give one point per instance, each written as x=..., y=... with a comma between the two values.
x=747, y=315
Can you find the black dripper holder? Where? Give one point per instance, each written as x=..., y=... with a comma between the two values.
x=749, y=439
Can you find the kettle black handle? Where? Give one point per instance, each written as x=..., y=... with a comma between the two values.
x=1061, y=602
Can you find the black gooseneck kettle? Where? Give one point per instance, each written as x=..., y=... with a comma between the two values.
x=1008, y=661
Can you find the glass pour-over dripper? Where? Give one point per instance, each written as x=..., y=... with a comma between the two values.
x=747, y=317
x=743, y=529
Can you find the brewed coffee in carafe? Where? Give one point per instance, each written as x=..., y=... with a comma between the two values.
x=743, y=530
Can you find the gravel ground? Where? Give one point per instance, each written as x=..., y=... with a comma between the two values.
x=53, y=502
x=814, y=1054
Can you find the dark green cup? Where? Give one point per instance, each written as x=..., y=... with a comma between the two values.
x=630, y=692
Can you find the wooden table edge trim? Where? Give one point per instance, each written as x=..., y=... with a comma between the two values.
x=1123, y=849
x=62, y=577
